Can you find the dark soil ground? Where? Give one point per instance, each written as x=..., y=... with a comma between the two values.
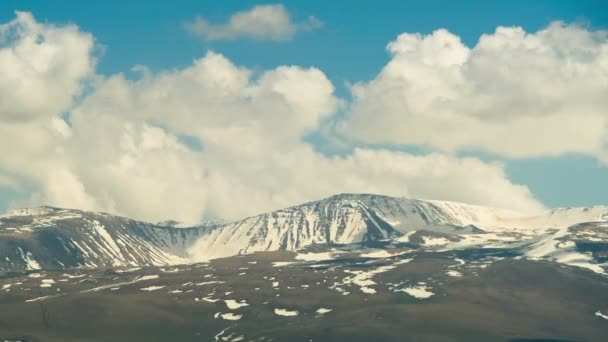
x=494, y=300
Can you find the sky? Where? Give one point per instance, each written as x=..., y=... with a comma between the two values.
x=205, y=109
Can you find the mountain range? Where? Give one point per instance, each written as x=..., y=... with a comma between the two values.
x=351, y=267
x=55, y=238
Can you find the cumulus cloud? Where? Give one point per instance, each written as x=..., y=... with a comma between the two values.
x=253, y=158
x=42, y=67
x=43, y=70
x=264, y=22
x=514, y=93
x=123, y=150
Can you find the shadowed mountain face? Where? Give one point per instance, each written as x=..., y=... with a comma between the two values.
x=51, y=238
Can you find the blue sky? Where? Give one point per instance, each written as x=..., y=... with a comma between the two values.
x=350, y=47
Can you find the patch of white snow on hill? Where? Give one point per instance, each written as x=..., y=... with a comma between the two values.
x=593, y=267
x=210, y=282
x=229, y=316
x=420, y=291
x=381, y=254
x=207, y=299
x=283, y=263
x=233, y=304
x=368, y=290
x=30, y=262
x=406, y=237
x=552, y=248
x=286, y=313
x=459, y=261
x=40, y=298
x=599, y=314
x=220, y=336
x=453, y=273
x=431, y=241
x=136, y=280
x=489, y=240
x=152, y=288
x=363, y=279
x=129, y=270
x=110, y=245
x=547, y=246
x=315, y=256
x=47, y=283
x=322, y=311
x=76, y=276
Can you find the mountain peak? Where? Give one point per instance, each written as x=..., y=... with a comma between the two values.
x=35, y=211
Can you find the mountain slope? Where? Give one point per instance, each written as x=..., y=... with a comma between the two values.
x=354, y=218
x=347, y=294
x=52, y=238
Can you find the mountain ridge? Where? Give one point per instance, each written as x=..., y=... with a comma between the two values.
x=50, y=237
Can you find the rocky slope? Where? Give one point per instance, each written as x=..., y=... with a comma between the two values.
x=350, y=218
x=52, y=238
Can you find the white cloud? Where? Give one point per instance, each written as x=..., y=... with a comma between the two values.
x=42, y=67
x=266, y=22
x=253, y=157
x=135, y=169
x=122, y=151
x=516, y=94
x=278, y=180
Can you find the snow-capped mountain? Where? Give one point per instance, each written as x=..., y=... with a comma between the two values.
x=48, y=237
x=354, y=218
x=583, y=245
x=51, y=238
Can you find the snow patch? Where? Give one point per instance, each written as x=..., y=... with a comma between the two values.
x=208, y=299
x=41, y=298
x=322, y=311
x=453, y=273
x=231, y=316
x=152, y=288
x=30, y=262
x=233, y=304
x=136, y=280
x=283, y=263
x=363, y=279
x=420, y=291
x=368, y=290
x=381, y=254
x=315, y=256
x=431, y=241
x=286, y=313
